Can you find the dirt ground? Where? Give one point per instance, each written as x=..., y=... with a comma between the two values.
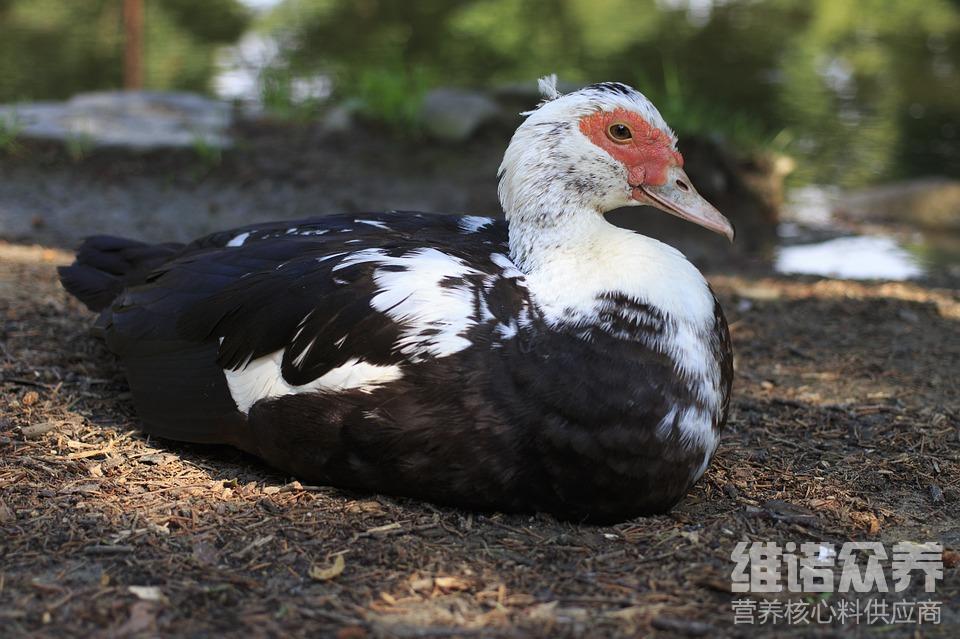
x=845, y=425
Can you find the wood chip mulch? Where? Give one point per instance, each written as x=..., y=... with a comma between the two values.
x=845, y=426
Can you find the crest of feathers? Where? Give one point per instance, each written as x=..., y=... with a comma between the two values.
x=548, y=91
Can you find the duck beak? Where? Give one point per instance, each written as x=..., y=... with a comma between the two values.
x=678, y=197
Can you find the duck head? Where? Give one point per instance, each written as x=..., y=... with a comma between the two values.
x=587, y=152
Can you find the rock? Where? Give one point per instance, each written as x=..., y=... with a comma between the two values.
x=932, y=203
x=337, y=119
x=140, y=120
x=936, y=494
x=454, y=115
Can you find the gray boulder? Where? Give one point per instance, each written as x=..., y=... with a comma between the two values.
x=140, y=120
x=930, y=203
x=454, y=115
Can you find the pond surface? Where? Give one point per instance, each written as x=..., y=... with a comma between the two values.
x=819, y=237
x=857, y=258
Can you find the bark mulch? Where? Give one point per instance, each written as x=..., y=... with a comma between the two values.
x=845, y=426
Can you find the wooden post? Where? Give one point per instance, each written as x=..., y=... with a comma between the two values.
x=132, y=44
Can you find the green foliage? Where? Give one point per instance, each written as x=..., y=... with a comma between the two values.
x=79, y=146
x=279, y=97
x=691, y=113
x=10, y=127
x=212, y=21
x=858, y=91
x=391, y=96
x=51, y=49
x=210, y=155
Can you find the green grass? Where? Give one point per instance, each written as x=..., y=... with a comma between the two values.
x=391, y=96
x=79, y=146
x=10, y=129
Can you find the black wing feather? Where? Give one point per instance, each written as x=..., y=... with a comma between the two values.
x=173, y=305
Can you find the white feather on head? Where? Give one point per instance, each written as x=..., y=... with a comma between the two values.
x=548, y=87
x=554, y=185
x=592, y=98
x=548, y=147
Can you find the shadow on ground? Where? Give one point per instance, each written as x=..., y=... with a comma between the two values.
x=844, y=426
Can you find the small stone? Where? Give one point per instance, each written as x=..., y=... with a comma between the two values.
x=936, y=494
x=131, y=119
x=6, y=513
x=456, y=114
x=146, y=593
x=337, y=119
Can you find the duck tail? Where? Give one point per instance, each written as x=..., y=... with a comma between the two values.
x=105, y=265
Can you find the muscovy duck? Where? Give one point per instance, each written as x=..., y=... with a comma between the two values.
x=552, y=362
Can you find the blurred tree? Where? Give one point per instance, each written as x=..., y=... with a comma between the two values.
x=52, y=49
x=861, y=90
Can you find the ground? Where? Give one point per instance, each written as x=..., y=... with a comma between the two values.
x=845, y=425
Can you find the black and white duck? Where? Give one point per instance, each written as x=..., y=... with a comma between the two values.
x=550, y=362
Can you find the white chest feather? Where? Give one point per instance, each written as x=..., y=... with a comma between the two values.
x=571, y=287
x=568, y=283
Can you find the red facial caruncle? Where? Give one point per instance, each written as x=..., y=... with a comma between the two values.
x=644, y=149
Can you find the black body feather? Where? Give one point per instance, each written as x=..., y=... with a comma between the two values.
x=542, y=421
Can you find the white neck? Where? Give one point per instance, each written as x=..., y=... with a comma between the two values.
x=554, y=187
x=572, y=256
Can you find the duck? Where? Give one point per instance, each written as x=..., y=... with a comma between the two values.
x=543, y=362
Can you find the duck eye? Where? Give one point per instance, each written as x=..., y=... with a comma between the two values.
x=619, y=132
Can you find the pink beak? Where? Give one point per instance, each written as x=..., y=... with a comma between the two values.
x=678, y=197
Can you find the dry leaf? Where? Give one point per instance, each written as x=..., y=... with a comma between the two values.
x=326, y=574
x=451, y=583
x=421, y=584
x=352, y=632
x=866, y=520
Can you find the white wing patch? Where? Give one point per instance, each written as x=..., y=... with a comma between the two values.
x=423, y=291
x=696, y=428
x=261, y=379
x=474, y=223
x=434, y=314
x=376, y=223
x=239, y=240
x=509, y=269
